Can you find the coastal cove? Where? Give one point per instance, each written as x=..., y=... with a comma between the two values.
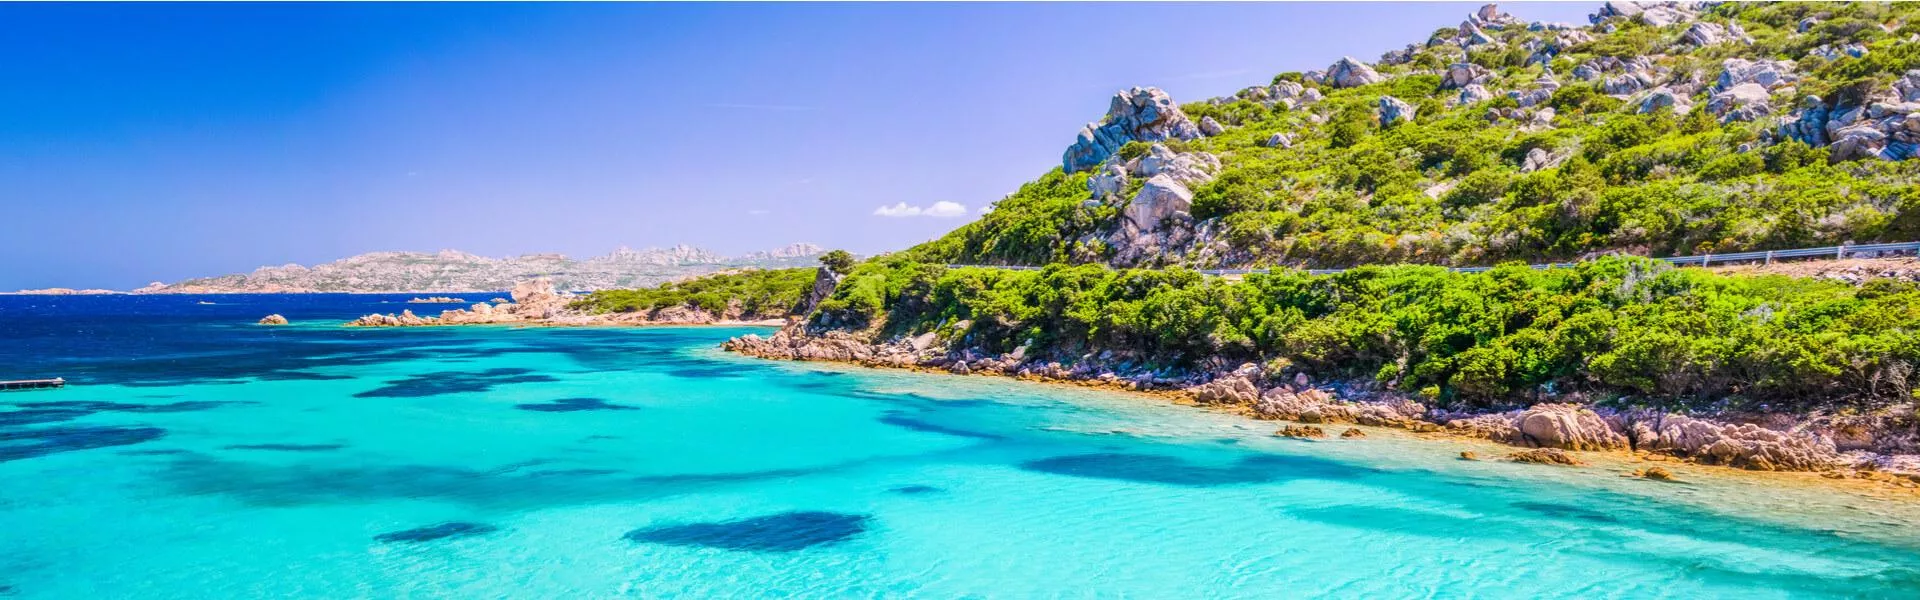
x=228, y=458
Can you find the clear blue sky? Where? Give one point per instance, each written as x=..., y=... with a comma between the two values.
x=159, y=142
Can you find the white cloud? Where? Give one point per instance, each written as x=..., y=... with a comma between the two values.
x=946, y=209
x=941, y=209
x=986, y=209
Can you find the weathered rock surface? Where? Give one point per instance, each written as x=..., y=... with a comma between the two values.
x=1463, y=74
x=1210, y=127
x=1394, y=110
x=1474, y=93
x=1743, y=102
x=1546, y=456
x=1139, y=114
x=1301, y=431
x=1227, y=390
x=273, y=319
x=1348, y=72
x=1739, y=445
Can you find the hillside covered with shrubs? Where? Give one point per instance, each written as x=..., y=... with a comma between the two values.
x=1660, y=129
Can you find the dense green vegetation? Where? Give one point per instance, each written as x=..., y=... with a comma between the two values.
x=1630, y=329
x=761, y=294
x=1448, y=187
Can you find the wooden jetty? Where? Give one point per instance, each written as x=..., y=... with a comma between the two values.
x=32, y=384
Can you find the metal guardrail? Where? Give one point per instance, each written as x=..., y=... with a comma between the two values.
x=1763, y=256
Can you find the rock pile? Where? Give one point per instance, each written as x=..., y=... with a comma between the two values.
x=1139, y=114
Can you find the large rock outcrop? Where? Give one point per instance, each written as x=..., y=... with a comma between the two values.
x=1139, y=114
x=1348, y=72
x=1739, y=445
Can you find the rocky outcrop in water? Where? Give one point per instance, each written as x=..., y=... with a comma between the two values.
x=273, y=319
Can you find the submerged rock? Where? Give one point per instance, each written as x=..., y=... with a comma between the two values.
x=1545, y=456
x=1301, y=431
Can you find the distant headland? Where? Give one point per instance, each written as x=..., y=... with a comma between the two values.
x=453, y=271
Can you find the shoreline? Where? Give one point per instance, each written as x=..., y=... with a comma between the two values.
x=1601, y=463
x=1892, y=479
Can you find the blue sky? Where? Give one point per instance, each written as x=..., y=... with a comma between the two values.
x=159, y=142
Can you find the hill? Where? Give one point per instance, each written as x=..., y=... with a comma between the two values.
x=1660, y=128
x=454, y=271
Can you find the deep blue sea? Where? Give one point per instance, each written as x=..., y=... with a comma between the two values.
x=198, y=455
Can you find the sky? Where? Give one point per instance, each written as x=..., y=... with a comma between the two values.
x=158, y=142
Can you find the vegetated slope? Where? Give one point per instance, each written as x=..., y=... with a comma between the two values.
x=749, y=295
x=1622, y=329
x=1661, y=129
x=1353, y=166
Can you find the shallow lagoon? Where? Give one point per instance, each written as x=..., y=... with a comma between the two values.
x=198, y=455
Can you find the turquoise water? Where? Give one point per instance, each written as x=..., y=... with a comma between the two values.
x=200, y=456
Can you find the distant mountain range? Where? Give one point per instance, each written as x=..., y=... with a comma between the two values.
x=455, y=271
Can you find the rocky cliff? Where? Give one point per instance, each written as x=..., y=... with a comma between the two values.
x=454, y=271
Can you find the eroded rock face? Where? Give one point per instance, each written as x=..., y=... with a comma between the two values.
x=1143, y=114
x=1227, y=390
x=1394, y=110
x=1743, y=102
x=1568, y=427
x=824, y=282
x=1743, y=445
x=537, y=298
x=1463, y=74
x=1545, y=456
x=1474, y=93
x=1348, y=72
x=1657, y=14
x=1768, y=74
x=1210, y=127
x=1663, y=97
x=1705, y=34
x=406, y=318
x=1162, y=197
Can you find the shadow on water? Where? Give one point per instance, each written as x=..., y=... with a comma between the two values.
x=453, y=529
x=454, y=382
x=784, y=532
x=31, y=413
x=54, y=440
x=915, y=490
x=901, y=420
x=286, y=447
x=573, y=405
x=1169, y=470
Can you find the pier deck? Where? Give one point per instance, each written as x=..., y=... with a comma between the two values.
x=32, y=384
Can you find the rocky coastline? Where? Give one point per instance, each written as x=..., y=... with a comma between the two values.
x=1878, y=448
x=535, y=302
